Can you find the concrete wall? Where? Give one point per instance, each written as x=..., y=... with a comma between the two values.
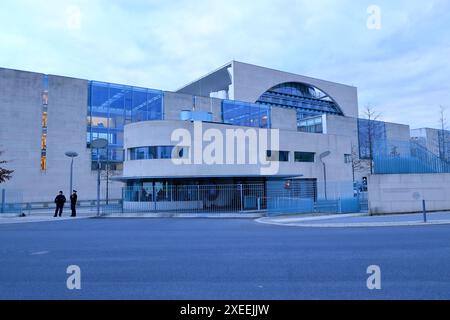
x=140, y=135
x=21, y=129
x=174, y=103
x=393, y=193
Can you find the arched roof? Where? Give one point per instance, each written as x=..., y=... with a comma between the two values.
x=304, y=97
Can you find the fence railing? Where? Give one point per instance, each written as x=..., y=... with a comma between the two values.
x=11, y=201
x=407, y=157
x=274, y=197
x=194, y=198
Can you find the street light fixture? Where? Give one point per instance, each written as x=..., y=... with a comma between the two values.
x=71, y=154
x=321, y=157
x=98, y=144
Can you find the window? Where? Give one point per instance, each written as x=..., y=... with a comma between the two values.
x=245, y=114
x=44, y=123
x=158, y=152
x=348, y=158
x=310, y=125
x=110, y=107
x=304, y=156
x=281, y=156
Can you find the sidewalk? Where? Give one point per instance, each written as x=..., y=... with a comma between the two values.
x=8, y=219
x=359, y=220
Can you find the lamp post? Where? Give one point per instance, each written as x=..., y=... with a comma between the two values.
x=321, y=157
x=71, y=154
x=98, y=144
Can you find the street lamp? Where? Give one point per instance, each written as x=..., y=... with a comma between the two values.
x=98, y=144
x=321, y=157
x=71, y=154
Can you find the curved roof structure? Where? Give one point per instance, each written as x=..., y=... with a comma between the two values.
x=307, y=99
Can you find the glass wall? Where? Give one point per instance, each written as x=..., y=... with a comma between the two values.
x=245, y=114
x=307, y=100
x=110, y=108
x=372, y=138
x=310, y=125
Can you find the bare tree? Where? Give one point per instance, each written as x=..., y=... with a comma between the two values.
x=443, y=136
x=106, y=175
x=358, y=165
x=5, y=174
x=372, y=117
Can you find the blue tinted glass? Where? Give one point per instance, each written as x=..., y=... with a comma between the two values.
x=372, y=138
x=112, y=106
x=245, y=114
x=139, y=105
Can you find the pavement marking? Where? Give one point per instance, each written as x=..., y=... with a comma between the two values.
x=38, y=253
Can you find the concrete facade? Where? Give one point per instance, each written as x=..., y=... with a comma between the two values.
x=21, y=130
x=246, y=82
x=139, y=134
x=403, y=193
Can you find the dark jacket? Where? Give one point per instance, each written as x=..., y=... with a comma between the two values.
x=73, y=198
x=60, y=200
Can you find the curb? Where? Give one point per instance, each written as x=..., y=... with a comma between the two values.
x=19, y=220
x=358, y=225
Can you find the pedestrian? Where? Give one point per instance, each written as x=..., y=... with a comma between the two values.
x=73, y=203
x=60, y=200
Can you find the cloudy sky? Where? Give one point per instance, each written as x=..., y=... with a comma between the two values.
x=401, y=69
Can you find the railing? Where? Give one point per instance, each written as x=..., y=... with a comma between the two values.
x=408, y=157
x=194, y=198
x=272, y=198
x=11, y=201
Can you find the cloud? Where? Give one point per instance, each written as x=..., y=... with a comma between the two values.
x=401, y=69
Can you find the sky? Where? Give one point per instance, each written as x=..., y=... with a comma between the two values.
x=398, y=55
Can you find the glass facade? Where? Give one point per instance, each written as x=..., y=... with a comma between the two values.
x=245, y=114
x=310, y=125
x=372, y=138
x=158, y=152
x=307, y=100
x=110, y=108
x=444, y=144
x=44, y=123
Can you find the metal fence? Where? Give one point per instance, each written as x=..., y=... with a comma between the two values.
x=194, y=198
x=11, y=201
x=407, y=157
x=272, y=198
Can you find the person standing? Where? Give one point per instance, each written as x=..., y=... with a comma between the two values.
x=60, y=200
x=73, y=203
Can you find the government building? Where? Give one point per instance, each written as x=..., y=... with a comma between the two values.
x=320, y=149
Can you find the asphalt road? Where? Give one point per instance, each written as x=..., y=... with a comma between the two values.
x=220, y=259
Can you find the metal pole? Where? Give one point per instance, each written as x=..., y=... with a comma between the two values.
x=107, y=176
x=242, y=198
x=98, y=182
x=71, y=177
x=3, y=201
x=424, y=208
x=325, y=180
